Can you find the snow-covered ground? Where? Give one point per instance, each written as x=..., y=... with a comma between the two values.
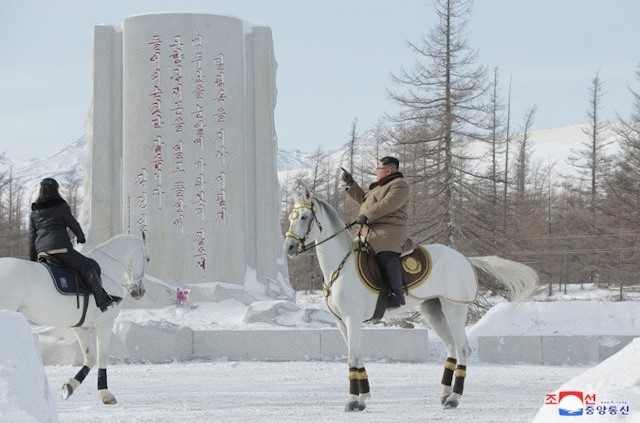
x=305, y=392
x=257, y=391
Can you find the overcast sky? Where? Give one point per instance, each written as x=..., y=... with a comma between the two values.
x=335, y=60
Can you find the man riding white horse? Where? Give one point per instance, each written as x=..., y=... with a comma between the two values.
x=384, y=212
x=50, y=217
x=446, y=286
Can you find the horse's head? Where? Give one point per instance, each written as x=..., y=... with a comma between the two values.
x=303, y=225
x=125, y=257
x=137, y=266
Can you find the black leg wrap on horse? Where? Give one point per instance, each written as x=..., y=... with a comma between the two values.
x=447, y=375
x=363, y=381
x=82, y=374
x=358, y=381
x=102, y=379
x=460, y=374
x=354, y=387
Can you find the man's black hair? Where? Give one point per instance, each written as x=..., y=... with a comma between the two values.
x=390, y=161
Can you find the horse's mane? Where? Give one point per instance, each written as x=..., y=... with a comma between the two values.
x=115, y=242
x=334, y=218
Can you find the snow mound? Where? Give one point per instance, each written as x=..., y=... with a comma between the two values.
x=25, y=396
x=560, y=318
x=608, y=390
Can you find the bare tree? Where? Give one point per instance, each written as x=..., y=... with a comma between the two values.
x=13, y=233
x=5, y=228
x=624, y=185
x=72, y=182
x=507, y=144
x=497, y=138
x=590, y=158
x=488, y=201
x=444, y=95
x=353, y=137
x=522, y=166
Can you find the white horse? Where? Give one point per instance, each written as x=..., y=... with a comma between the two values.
x=27, y=287
x=443, y=298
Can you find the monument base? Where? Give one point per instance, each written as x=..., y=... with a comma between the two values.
x=165, y=342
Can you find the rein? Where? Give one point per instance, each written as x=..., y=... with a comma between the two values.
x=326, y=289
x=302, y=247
x=315, y=244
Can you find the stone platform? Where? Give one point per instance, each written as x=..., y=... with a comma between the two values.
x=133, y=342
x=550, y=350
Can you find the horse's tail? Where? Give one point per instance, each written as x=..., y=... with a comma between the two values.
x=520, y=279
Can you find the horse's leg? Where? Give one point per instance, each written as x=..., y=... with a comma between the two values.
x=102, y=343
x=87, y=346
x=354, y=389
x=456, y=315
x=358, y=379
x=432, y=312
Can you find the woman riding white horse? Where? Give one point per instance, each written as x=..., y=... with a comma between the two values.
x=48, y=237
x=28, y=287
x=443, y=298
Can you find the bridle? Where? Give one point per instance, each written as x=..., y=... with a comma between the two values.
x=134, y=283
x=137, y=283
x=314, y=219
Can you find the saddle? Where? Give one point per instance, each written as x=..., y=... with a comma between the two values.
x=66, y=281
x=416, y=266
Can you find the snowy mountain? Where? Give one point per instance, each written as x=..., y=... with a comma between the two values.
x=549, y=147
x=292, y=160
x=29, y=173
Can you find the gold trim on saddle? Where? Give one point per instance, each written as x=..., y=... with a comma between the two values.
x=416, y=267
x=411, y=265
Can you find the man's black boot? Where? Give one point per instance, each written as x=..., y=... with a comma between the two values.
x=390, y=265
x=394, y=301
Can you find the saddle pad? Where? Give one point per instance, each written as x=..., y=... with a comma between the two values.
x=415, y=268
x=65, y=280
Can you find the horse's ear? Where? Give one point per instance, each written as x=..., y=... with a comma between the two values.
x=301, y=194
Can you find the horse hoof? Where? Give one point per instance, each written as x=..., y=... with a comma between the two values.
x=107, y=397
x=69, y=388
x=355, y=406
x=66, y=391
x=451, y=401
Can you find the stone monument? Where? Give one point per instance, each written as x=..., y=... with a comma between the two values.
x=181, y=145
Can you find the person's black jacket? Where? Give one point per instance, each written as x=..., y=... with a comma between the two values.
x=49, y=221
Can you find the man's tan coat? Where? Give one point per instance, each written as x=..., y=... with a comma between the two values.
x=385, y=206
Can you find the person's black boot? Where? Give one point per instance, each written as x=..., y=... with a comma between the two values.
x=394, y=301
x=390, y=265
x=94, y=283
